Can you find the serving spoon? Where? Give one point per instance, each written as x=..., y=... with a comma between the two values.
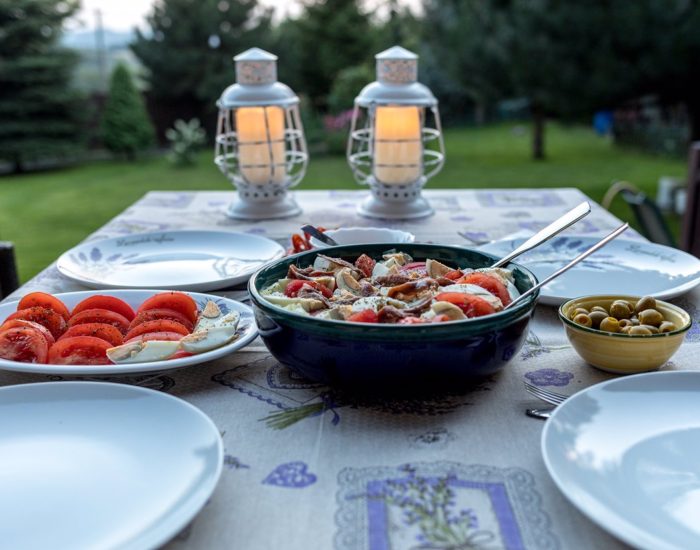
x=554, y=228
x=320, y=235
x=600, y=244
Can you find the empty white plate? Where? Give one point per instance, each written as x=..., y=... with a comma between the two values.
x=99, y=465
x=625, y=453
x=623, y=266
x=176, y=260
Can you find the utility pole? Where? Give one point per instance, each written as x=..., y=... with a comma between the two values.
x=100, y=46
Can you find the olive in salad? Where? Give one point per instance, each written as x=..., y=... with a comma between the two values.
x=393, y=290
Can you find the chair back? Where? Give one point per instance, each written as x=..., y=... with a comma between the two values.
x=691, y=223
x=9, y=281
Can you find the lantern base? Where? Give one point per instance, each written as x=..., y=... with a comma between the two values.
x=395, y=202
x=284, y=206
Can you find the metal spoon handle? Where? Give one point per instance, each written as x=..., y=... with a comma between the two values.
x=572, y=263
x=311, y=230
x=554, y=228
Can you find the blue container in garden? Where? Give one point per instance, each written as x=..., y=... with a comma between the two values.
x=380, y=357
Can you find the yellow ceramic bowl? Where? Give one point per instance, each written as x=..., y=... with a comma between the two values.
x=623, y=353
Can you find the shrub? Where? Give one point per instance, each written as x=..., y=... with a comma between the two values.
x=126, y=128
x=185, y=139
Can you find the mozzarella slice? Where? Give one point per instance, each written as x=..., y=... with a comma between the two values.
x=208, y=339
x=143, y=352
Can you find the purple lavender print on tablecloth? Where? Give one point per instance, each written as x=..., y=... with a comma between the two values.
x=291, y=474
x=549, y=377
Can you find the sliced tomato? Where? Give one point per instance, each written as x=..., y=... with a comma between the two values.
x=48, y=318
x=179, y=354
x=471, y=305
x=22, y=323
x=161, y=313
x=110, y=303
x=488, y=282
x=23, y=344
x=108, y=333
x=453, y=275
x=365, y=264
x=42, y=299
x=415, y=267
x=157, y=325
x=100, y=316
x=80, y=350
x=364, y=316
x=293, y=288
x=148, y=336
x=177, y=301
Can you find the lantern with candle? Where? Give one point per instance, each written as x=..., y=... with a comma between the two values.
x=395, y=143
x=260, y=144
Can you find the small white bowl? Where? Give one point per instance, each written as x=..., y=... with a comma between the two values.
x=365, y=235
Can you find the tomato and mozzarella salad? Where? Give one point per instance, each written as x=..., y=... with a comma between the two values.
x=103, y=329
x=394, y=290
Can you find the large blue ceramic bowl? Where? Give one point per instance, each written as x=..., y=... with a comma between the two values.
x=379, y=356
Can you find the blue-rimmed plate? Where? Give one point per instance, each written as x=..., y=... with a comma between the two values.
x=176, y=260
x=247, y=332
x=635, y=268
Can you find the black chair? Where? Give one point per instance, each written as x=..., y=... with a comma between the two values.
x=647, y=214
x=9, y=281
x=691, y=218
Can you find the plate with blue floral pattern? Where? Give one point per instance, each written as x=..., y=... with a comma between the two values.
x=636, y=268
x=176, y=260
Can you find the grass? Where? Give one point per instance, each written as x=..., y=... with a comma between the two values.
x=46, y=213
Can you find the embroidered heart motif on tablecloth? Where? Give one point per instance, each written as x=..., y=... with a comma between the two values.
x=291, y=474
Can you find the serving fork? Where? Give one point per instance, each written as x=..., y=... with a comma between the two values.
x=548, y=396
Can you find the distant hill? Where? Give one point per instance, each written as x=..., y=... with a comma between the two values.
x=86, y=40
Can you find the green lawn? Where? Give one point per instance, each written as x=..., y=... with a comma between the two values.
x=47, y=213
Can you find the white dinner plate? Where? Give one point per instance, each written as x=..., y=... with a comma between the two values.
x=247, y=331
x=101, y=465
x=635, y=268
x=177, y=260
x=626, y=453
x=365, y=235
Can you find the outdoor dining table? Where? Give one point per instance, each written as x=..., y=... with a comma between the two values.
x=308, y=466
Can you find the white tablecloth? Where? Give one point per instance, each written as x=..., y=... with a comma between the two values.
x=309, y=467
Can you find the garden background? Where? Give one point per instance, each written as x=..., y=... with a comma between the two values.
x=533, y=93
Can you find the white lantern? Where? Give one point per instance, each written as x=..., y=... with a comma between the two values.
x=260, y=144
x=395, y=143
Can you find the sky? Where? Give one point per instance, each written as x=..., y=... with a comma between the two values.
x=122, y=15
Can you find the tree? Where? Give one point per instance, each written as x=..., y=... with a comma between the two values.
x=40, y=113
x=188, y=52
x=333, y=35
x=567, y=58
x=126, y=128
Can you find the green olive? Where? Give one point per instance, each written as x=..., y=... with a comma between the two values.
x=597, y=316
x=583, y=320
x=639, y=331
x=647, y=302
x=651, y=317
x=667, y=326
x=610, y=324
x=599, y=308
x=626, y=329
x=579, y=311
x=651, y=328
x=620, y=310
x=634, y=320
x=626, y=323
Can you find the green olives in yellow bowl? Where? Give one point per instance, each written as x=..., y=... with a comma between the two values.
x=624, y=334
